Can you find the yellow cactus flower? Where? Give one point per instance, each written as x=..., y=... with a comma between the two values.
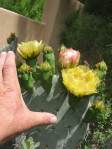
x=99, y=105
x=24, y=68
x=80, y=80
x=30, y=49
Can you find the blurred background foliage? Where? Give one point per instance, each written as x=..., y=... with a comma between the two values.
x=90, y=31
x=87, y=33
x=99, y=7
x=29, y=8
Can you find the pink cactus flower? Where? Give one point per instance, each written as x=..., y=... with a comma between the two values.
x=69, y=58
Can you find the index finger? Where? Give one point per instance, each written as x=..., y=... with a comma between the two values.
x=9, y=71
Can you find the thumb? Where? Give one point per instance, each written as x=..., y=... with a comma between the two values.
x=39, y=118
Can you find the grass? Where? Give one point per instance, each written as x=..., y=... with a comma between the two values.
x=29, y=8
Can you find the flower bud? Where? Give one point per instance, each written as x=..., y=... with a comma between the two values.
x=99, y=105
x=45, y=66
x=24, y=68
x=47, y=49
x=101, y=69
x=69, y=58
x=101, y=66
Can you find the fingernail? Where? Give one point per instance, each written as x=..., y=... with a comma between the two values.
x=10, y=52
x=3, y=53
x=53, y=119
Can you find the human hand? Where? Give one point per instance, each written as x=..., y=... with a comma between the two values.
x=15, y=117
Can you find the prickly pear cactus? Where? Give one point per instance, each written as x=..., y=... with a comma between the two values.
x=70, y=129
x=68, y=94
